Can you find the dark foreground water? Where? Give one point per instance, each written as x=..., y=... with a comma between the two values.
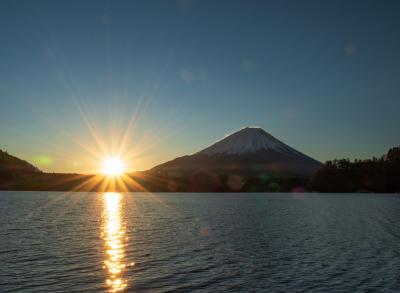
x=83, y=242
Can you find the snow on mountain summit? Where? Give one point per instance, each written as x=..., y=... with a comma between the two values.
x=248, y=153
x=248, y=140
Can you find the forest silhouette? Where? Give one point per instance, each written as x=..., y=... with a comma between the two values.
x=372, y=175
x=377, y=175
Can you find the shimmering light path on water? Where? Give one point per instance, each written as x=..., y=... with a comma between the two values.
x=108, y=242
x=113, y=233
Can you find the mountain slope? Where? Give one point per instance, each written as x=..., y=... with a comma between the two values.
x=249, y=140
x=248, y=152
x=12, y=167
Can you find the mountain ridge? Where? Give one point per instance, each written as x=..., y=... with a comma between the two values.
x=248, y=140
x=9, y=163
x=248, y=151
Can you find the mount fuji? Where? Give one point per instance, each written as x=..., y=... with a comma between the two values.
x=249, y=152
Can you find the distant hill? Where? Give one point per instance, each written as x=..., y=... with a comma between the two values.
x=245, y=160
x=248, y=151
x=12, y=167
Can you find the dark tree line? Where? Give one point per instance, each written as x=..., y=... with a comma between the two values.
x=372, y=175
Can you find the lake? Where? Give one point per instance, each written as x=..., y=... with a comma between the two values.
x=91, y=242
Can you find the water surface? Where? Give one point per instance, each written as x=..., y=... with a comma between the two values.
x=91, y=242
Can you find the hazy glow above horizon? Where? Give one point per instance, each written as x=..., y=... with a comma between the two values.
x=327, y=88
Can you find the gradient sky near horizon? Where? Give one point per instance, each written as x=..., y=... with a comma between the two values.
x=322, y=76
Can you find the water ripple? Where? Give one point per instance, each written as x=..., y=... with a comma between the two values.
x=53, y=242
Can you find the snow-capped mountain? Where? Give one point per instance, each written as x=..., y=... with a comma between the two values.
x=251, y=151
x=249, y=140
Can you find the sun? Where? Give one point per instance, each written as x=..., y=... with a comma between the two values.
x=113, y=167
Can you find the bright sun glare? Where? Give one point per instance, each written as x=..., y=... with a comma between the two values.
x=113, y=167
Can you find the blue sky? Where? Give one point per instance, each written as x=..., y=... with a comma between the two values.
x=322, y=76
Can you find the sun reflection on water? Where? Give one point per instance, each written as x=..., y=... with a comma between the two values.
x=113, y=234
